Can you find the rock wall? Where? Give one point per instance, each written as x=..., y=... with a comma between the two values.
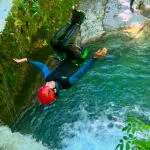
x=103, y=16
x=27, y=33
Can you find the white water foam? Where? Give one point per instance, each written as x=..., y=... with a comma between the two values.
x=90, y=137
x=98, y=134
x=102, y=133
x=17, y=141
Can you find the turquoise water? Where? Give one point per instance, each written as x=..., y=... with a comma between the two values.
x=91, y=114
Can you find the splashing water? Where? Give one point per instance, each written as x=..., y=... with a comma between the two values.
x=97, y=134
x=17, y=141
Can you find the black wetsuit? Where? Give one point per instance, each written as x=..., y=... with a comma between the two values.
x=131, y=4
x=62, y=82
x=64, y=41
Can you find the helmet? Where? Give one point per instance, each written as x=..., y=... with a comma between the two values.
x=46, y=95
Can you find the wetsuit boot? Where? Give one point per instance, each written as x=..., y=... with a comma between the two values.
x=78, y=16
x=64, y=40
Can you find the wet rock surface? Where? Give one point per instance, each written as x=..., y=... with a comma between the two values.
x=110, y=15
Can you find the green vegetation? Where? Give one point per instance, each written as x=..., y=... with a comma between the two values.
x=138, y=136
x=29, y=28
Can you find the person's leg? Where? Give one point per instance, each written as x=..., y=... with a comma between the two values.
x=71, y=35
x=55, y=41
x=64, y=39
x=131, y=4
x=78, y=16
x=68, y=43
x=73, y=52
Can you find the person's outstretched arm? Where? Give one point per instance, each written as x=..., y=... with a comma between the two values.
x=76, y=76
x=41, y=66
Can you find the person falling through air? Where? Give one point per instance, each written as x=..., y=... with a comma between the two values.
x=63, y=42
x=47, y=93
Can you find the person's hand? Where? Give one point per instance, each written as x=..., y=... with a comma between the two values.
x=20, y=60
x=100, y=53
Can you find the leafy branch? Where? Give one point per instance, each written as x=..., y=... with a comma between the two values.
x=137, y=136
